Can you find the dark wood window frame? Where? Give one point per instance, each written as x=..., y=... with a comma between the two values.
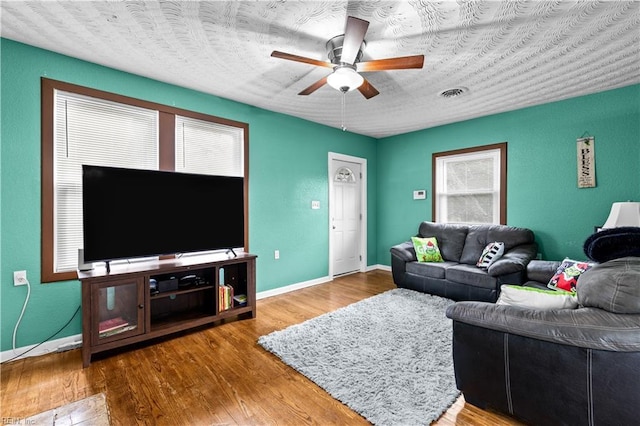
x=166, y=141
x=502, y=147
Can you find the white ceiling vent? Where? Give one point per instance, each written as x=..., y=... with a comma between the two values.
x=452, y=93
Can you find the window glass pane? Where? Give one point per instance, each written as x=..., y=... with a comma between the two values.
x=468, y=187
x=469, y=175
x=93, y=131
x=209, y=148
x=476, y=208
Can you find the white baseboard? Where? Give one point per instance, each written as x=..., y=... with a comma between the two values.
x=71, y=342
x=58, y=345
x=292, y=287
x=321, y=280
x=381, y=267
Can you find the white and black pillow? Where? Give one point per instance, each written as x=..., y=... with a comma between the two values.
x=491, y=253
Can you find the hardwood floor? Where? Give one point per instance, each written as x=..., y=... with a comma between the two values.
x=213, y=376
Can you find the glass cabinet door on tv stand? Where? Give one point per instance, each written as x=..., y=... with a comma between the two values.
x=119, y=310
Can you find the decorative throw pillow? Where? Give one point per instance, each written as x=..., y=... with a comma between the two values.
x=566, y=277
x=534, y=298
x=491, y=253
x=427, y=249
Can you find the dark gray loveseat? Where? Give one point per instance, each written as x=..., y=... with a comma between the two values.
x=461, y=246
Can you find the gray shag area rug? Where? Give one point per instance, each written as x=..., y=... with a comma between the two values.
x=387, y=357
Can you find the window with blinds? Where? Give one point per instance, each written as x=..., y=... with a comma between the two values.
x=81, y=125
x=469, y=185
x=97, y=132
x=206, y=147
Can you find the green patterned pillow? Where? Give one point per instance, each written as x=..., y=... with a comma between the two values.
x=427, y=249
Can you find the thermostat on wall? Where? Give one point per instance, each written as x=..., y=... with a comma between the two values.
x=419, y=194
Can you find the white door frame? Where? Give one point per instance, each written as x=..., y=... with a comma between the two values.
x=363, y=206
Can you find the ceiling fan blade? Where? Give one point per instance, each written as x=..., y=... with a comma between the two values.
x=367, y=90
x=296, y=58
x=399, y=63
x=353, y=38
x=315, y=86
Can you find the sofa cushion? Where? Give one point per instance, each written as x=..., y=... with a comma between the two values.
x=479, y=236
x=426, y=249
x=471, y=275
x=567, y=275
x=429, y=269
x=451, y=238
x=534, y=298
x=613, y=286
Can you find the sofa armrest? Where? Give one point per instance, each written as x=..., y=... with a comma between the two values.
x=514, y=260
x=400, y=255
x=542, y=270
x=583, y=327
x=404, y=251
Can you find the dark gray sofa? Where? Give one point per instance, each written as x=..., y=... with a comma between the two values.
x=556, y=367
x=461, y=246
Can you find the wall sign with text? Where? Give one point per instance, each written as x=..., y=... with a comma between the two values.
x=586, y=162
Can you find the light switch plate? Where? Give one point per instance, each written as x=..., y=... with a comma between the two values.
x=315, y=205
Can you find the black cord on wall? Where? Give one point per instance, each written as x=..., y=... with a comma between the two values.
x=48, y=338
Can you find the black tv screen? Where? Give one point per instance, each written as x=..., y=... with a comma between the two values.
x=130, y=213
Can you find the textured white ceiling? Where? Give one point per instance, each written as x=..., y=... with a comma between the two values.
x=508, y=54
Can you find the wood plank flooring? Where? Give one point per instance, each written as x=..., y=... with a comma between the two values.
x=213, y=376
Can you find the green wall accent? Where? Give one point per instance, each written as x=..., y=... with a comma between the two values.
x=542, y=191
x=288, y=169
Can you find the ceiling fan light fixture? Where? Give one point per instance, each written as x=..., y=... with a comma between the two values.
x=345, y=79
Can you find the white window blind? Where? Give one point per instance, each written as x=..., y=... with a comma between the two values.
x=468, y=187
x=97, y=132
x=209, y=148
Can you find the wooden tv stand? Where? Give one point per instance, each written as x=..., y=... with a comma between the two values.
x=120, y=307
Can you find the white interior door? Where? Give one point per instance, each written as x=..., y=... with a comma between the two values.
x=346, y=216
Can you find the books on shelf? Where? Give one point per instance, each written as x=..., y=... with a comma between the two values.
x=225, y=297
x=114, y=326
x=239, y=300
x=117, y=331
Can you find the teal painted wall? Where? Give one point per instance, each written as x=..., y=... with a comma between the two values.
x=288, y=169
x=542, y=192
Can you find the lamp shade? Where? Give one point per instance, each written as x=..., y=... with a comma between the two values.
x=345, y=79
x=623, y=214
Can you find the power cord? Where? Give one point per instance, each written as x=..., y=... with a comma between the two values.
x=26, y=300
x=15, y=330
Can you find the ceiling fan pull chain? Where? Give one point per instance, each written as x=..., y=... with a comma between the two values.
x=344, y=102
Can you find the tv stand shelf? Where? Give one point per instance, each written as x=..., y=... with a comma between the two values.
x=119, y=309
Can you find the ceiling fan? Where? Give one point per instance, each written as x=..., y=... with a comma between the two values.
x=345, y=52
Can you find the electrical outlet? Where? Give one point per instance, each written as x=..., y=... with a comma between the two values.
x=276, y=254
x=19, y=278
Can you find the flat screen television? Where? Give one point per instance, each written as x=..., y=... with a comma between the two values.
x=129, y=213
